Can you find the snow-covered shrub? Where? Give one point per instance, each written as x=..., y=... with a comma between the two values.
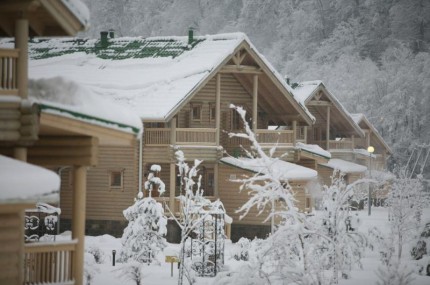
x=143, y=237
x=90, y=268
x=394, y=273
x=344, y=244
x=241, y=249
x=99, y=256
x=131, y=271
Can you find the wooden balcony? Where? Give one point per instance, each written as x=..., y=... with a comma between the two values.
x=282, y=137
x=180, y=136
x=344, y=144
x=49, y=263
x=8, y=71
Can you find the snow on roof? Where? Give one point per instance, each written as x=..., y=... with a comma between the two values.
x=25, y=183
x=289, y=171
x=80, y=10
x=66, y=98
x=305, y=89
x=152, y=76
x=313, y=148
x=359, y=117
x=345, y=166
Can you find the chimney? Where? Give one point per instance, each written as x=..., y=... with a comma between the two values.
x=190, y=35
x=111, y=33
x=104, y=39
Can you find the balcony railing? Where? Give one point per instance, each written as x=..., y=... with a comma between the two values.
x=49, y=263
x=282, y=137
x=197, y=136
x=183, y=136
x=8, y=71
x=336, y=144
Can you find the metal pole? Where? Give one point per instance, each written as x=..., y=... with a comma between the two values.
x=369, y=201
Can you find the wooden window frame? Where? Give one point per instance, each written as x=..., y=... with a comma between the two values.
x=200, y=109
x=212, y=112
x=112, y=172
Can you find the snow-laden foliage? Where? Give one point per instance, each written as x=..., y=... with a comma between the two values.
x=153, y=181
x=241, y=249
x=90, y=268
x=131, y=271
x=194, y=209
x=405, y=201
x=143, y=238
x=267, y=188
x=344, y=244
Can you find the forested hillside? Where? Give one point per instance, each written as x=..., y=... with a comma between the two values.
x=372, y=54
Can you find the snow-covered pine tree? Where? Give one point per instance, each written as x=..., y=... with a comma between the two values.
x=143, y=238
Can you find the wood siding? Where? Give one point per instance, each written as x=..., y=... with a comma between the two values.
x=103, y=201
x=11, y=246
x=233, y=199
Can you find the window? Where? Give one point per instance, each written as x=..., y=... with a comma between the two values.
x=236, y=120
x=208, y=181
x=116, y=178
x=212, y=112
x=196, y=112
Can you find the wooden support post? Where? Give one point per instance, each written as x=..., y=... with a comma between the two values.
x=305, y=130
x=21, y=43
x=78, y=220
x=172, y=187
x=352, y=142
x=218, y=109
x=368, y=138
x=255, y=103
x=294, y=132
x=20, y=153
x=216, y=184
x=328, y=128
x=173, y=131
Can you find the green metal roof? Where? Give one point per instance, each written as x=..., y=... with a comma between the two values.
x=116, y=49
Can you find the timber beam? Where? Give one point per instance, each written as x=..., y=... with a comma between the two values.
x=247, y=69
x=319, y=103
x=55, y=151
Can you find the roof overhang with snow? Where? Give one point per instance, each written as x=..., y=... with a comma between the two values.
x=23, y=183
x=344, y=166
x=45, y=17
x=317, y=99
x=156, y=77
x=376, y=139
x=285, y=170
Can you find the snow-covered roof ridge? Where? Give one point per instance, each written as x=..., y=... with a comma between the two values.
x=153, y=76
x=289, y=171
x=313, y=148
x=306, y=90
x=26, y=183
x=359, y=117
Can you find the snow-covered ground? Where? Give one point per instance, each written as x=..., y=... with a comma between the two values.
x=106, y=274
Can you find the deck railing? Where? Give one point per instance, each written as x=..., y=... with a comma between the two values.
x=275, y=136
x=197, y=136
x=334, y=144
x=49, y=263
x=157, y=136
x=8, y=71
x=183, y=136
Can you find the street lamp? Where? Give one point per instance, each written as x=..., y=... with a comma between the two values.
x=370, y=150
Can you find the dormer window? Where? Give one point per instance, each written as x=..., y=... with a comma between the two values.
x=196, y=112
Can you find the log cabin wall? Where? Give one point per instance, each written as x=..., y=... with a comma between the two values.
x=105, y=203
